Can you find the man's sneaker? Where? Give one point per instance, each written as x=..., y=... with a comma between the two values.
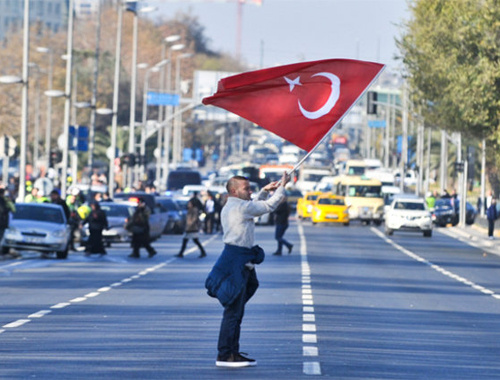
x=235, y=361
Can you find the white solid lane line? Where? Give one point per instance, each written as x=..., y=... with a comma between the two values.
x=436, y=267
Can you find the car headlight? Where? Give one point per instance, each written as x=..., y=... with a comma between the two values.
x=309, y=208
x=59, y=233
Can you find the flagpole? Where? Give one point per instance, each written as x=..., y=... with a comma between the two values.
x=334, y=125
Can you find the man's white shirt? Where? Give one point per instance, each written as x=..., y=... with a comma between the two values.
x=237, y=216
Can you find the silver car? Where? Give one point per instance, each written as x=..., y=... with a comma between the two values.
x=38, y=227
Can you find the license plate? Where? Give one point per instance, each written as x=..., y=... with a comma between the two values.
x=32, y=240
x=332, y=216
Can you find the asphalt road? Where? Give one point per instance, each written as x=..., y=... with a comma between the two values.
x=348, y=303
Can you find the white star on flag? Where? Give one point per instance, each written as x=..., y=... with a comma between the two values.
x=293, y=83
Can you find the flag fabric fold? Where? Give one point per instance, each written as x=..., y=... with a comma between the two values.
x=300, y=102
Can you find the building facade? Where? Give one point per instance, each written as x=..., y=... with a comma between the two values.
x=53, y=14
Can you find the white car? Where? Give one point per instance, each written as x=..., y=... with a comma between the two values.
x=408, y=213
x=38, y=227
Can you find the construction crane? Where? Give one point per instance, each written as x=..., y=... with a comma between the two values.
x=239, y=15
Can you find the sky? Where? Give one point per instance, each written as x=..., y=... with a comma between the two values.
x=288, y=31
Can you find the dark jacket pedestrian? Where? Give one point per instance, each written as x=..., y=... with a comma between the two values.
x=192, y=228
x=55, y=198
x=492, y=215
x=139, y=226
x=6, y=207
x=97, y=222
x=281, y=215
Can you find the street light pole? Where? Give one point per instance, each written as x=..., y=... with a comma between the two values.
x=177, y=138
x=24, y=111
x=168, y=126
x=133, y=82
x=116, y=88
x=67, y=103
x=48, y=127
x=93, y=102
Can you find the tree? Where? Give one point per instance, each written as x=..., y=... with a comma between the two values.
x=450, y=51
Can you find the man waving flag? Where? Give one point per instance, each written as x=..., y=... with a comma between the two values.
x=300, y=102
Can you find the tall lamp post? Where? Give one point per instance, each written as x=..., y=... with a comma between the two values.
x=67, y=103
x=48, y=127
x=155, y=68
x=116, y=88
x=10, y=79
x=132, y=7
x=168, y=126
x=177, y=138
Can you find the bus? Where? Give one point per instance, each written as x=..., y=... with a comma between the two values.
x=363, y=196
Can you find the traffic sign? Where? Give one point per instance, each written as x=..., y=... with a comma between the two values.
x=162, y=99
x=7, y=146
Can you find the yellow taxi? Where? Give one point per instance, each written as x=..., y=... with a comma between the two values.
x=305, y=204
x=329, y=208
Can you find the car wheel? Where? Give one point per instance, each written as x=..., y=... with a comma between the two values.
x=62, y=254
x=377, y=222
x=428, y=233
x=389, y=232
x=346, y=224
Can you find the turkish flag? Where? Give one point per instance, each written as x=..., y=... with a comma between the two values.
x=301, y=102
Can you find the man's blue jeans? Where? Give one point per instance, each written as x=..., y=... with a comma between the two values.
x=229, y=336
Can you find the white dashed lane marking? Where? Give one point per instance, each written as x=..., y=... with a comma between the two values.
x=308, y=316
x=437, y=268
x=62, y=305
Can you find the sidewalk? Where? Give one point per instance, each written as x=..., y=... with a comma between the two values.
x=475, y=235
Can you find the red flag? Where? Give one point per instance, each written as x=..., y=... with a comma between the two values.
x=299, y=102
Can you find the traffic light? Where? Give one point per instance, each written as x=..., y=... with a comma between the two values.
x=131, y=159
x=125, y=159
x=459, y=166
x=55, y=157
x=371, y=105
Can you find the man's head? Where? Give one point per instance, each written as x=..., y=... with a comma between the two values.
x=239, y=187
x=54, y=195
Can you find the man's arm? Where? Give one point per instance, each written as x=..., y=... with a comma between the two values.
x=261, y=207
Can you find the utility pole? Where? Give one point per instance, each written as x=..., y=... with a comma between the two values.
x=404, y=144
x=483, y=176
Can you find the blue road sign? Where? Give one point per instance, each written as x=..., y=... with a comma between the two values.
x=78, y=138
x=162, y=99
x=376, y=123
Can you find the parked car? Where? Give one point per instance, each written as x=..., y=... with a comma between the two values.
x=176, y=221
x=442, y=212
x=408, y=213
x=40, y=227
x=329, y=208
x=158, y=217
x=117, y=215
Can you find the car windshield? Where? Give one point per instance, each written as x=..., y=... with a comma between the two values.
x=39, y=213
x=117, y=211
x=313, y=177
x=169, y=204
x=365, y=191
x=331, y=201
x=400, y=205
